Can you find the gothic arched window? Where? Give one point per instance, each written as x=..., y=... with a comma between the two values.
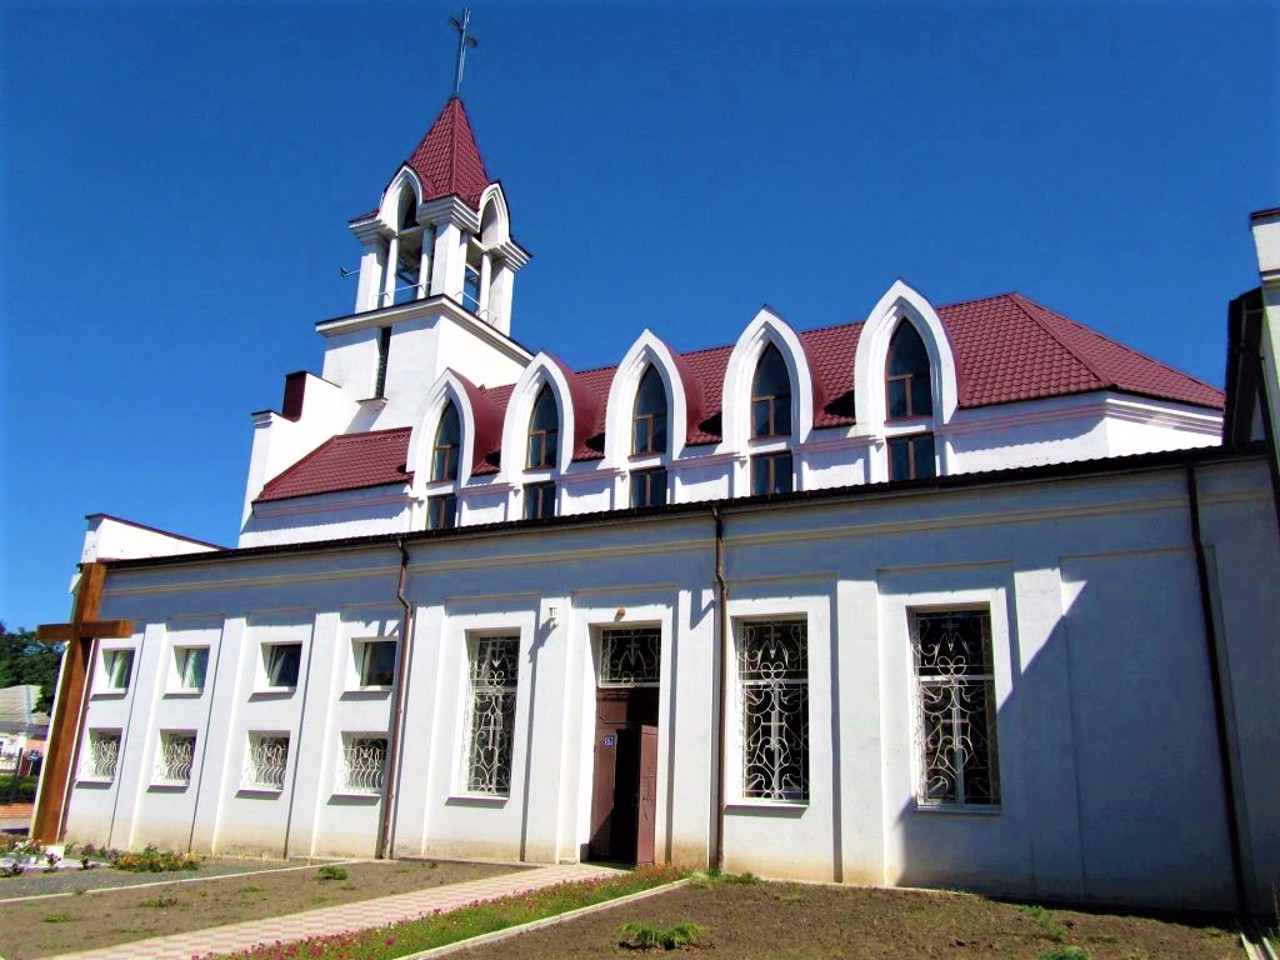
x=771, y=396
x=444, y=455
x=544, y=431
x=907, y=378
x=649, y=424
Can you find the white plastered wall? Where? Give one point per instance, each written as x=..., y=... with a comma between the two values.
x=1105, y=726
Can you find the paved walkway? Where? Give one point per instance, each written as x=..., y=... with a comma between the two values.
x=328, y=920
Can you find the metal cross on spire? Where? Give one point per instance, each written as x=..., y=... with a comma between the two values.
x=464, y=40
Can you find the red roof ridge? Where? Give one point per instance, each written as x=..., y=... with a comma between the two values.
x=973, y=300
x=1019, y=301
x=1111, y=340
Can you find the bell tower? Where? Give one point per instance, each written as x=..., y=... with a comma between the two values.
x=442, y=229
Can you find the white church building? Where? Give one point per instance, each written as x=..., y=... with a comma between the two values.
x=964, y=594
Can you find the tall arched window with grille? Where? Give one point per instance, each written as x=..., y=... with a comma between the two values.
x=543, y=448
x=442, y=509
x=908, y=383
x=771, y=471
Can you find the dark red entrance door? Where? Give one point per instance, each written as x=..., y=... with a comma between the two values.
x=624, y=801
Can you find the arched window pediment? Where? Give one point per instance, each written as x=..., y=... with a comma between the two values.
x=746, y=383
x=902, y=326
x=650, y=359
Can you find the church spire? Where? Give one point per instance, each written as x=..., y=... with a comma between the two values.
x=447, y=161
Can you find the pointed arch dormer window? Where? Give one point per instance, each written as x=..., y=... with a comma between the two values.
x=444, y=454
x=908, y=380
x=649, y=437
x=649, y=424
x=771, y=396
x=908, y=383
x=442, y=508
x=771, y=470
x=544, y=431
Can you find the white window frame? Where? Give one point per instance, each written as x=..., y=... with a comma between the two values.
x=357, y=773
x=98, y=763
x=178, y=678
x=163, y=773
x=268, y=651
x=258, y=743
x=992, y=698
x=109, y=660
x=802, y=796
x=360, y=650
x=476, y=686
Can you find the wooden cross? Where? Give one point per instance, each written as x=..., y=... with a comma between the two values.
x=80, y=636
x=464, y=40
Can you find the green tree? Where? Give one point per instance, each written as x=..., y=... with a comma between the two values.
x=24, y=659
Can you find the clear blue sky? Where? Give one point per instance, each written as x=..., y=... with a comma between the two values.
x=177, y=180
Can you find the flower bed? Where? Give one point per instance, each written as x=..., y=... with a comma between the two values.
x=473, y=920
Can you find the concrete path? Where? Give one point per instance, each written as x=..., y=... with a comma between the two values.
x=329, y=920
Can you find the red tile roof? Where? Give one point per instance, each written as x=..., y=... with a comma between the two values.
x=1007, y=348
x=448, y=160
x=349, y=461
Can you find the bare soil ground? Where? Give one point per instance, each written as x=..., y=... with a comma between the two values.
x=40, y=928
x=779, y=920
x=37, y=882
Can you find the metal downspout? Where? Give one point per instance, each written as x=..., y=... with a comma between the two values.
x=722, y=609
x=397, y=715
x=1219, y=699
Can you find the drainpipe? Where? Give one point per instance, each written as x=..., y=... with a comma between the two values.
x=397, y=715
x=722, y=607
x=1219, y=698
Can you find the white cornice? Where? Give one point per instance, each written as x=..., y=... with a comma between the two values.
x=450, y=209
x=428, y=309
x=513, y=254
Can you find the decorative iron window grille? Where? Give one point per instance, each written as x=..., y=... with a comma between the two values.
x=117, y=669
x=955, y=709
x=193, y=664
x=377, y=662
x=491, y=709
x=630, y=658
x=175, y=758
x=363, y=765
x=281, y=662
x=102, y=756
x=265, y=762
x=773, y=673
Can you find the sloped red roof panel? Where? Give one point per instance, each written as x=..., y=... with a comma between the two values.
x=346, y=462
x=447, y=161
